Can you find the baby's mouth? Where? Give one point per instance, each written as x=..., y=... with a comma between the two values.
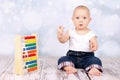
x=80, y=24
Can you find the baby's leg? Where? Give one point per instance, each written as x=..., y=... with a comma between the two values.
x=70, y=69
x=94, y=71
x=94, y=66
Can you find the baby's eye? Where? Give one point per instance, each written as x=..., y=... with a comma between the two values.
x=77, y=17
x=84, y=17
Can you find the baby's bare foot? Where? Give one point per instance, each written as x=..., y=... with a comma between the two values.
x=94, y=72
x=70, y=69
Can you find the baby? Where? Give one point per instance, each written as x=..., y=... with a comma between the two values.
x=82, y=45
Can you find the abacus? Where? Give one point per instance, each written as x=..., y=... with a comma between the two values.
x=26, y=54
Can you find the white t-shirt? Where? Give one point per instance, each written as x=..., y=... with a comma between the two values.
x=80, y=42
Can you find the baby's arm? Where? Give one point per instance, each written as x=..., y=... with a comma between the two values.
x=93, y=44
x=62, y=37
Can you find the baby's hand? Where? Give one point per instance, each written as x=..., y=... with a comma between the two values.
x=92, y=47
x=62, y=37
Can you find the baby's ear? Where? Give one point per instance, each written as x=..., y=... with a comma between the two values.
x=72, y=18
x=90, y=18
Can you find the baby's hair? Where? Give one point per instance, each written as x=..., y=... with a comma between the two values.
x=81, y=7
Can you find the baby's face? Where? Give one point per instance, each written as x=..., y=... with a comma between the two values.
x=81, y=18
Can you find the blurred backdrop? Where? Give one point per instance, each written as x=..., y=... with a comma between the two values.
x=25, y=17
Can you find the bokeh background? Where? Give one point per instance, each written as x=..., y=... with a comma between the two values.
x=25, y=17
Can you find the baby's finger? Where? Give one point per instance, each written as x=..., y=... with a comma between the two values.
x=90, y=43
x=60, y=27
